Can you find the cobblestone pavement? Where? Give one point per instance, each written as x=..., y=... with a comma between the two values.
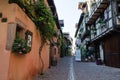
x=69, y=69
x=91, y=71
x=59, y=72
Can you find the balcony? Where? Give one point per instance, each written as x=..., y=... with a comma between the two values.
x=96, y=10
x=85, y=34
x=102, y=29
x=83, y=29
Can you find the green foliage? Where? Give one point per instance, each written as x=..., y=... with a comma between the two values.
x=101, y=21
x=20, y=46
x=84, y=52
x=41, y=16
x=44, y=20
x=62, y=45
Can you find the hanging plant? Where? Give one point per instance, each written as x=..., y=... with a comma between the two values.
x=44, y=20
x=20, y=46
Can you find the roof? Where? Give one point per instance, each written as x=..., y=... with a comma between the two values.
x=54, y=11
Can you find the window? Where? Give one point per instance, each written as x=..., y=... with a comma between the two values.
x=118, y=8
x=18, y=31
x=28, y=37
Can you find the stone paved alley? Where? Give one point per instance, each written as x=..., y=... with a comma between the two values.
x=69, y=69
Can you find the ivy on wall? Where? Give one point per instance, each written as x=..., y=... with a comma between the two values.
x=40, y=14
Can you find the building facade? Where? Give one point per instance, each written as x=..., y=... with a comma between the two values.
x=83, y=34
x=68, y=41
x=23, y=61
x=103, y=22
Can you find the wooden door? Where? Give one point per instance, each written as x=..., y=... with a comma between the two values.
x=112, y=51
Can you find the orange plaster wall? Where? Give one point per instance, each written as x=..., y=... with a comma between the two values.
x=20, y=67
x=4, y=54
x=45, y=56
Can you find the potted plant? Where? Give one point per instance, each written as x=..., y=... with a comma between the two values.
x=20, y=46
x=99, y=61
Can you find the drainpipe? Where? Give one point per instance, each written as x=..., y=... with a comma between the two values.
x=113, y=13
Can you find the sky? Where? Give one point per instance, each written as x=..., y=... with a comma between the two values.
x=68, y=11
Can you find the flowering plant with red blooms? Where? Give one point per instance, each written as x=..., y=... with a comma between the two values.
x=20, y=46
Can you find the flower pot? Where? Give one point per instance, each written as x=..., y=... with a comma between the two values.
x=98, y=62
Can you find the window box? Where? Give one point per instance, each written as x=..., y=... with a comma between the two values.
x=20, y=46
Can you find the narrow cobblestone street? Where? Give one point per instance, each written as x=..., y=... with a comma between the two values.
x=69, y=69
